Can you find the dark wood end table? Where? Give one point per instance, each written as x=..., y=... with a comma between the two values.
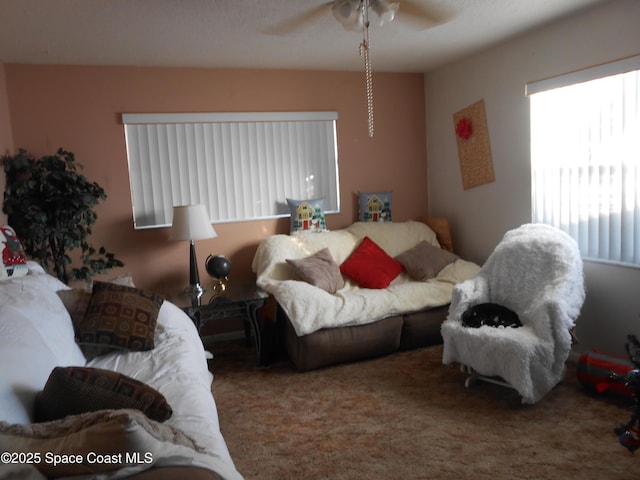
x=237, y=301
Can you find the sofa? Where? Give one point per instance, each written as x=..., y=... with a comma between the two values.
x=74, y=407
x=364, y=291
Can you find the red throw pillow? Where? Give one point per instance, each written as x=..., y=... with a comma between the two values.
x=370, y=266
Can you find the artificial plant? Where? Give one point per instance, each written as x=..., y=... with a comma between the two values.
x=50, y=206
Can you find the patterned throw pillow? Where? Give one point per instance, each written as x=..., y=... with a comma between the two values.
x=118, y=318
x=76, y=300
x=14, y=260
x=370, y=266
x=374, y=207
x=307, y=215
x=76, y=390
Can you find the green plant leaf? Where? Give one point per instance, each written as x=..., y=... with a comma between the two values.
x=50, y=206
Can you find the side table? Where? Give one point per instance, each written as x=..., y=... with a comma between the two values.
x=237, y=301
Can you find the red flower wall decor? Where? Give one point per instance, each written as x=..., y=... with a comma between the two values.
x=464, y=128
x=472, y=142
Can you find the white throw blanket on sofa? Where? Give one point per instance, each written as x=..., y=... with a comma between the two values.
x=310, y=308
x=36, y=335
x=536, y=271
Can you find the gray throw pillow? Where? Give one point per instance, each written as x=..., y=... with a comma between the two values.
x=320, y=270
x=424, y=261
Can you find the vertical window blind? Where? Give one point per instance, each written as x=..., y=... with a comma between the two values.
x=585, y=158
x=241, y=166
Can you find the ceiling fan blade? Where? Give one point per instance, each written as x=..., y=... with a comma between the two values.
x=300, y=21
x=423, y=17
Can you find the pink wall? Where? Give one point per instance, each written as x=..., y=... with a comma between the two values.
x=78, y=108
x=6, y=138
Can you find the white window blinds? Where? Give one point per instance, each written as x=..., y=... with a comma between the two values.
x=241, y=166
x=585, y=155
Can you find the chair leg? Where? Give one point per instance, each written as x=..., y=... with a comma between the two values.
x=474, y=377
x=471, y=380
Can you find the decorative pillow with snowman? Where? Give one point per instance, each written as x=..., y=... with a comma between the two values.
x=374, y=206
x=14, y=260
x=307, y=216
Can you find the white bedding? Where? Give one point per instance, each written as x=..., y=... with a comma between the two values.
x=179, y=371
x=36, y=334
x=310, y=308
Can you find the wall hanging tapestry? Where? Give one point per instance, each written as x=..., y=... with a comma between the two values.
x=474, y=150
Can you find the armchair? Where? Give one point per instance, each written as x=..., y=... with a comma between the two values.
x=536, y=271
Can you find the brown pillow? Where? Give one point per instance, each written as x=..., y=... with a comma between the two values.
x=424, y=261
x=118, y=318
x=75, y=390
x=320, y=270
x=76, y=301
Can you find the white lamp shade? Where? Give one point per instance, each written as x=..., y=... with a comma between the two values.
x=191, y=222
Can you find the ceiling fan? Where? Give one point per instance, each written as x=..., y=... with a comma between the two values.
x=354, y=15
x=350, y=14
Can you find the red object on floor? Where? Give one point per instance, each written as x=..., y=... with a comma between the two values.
x=595, y=368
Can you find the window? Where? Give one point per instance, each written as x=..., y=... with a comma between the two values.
x=241, y=166
x=585, y=158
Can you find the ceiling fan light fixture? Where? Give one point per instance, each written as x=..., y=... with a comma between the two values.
x=386, y=11
x=348, y=13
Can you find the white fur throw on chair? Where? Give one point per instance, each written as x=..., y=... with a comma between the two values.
x=536, y=271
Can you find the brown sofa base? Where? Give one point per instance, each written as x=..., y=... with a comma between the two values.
x=171, y=473
x=422, y=329
x=346, y=344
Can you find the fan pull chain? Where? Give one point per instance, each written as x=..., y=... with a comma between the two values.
x=365, y=51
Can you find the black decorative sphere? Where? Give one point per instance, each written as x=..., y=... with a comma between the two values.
x=218, y=266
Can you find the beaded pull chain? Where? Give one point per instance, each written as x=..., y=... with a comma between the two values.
x=365, y=51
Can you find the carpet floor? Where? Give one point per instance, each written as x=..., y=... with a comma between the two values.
x=406, y=416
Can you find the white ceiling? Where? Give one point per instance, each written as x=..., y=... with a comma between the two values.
x=239, y=33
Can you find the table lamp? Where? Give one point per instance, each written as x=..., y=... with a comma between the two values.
x=191, y=222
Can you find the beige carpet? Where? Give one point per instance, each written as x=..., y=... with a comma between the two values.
x=406, y=416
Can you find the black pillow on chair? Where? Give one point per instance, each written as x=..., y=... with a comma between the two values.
x=490, y=314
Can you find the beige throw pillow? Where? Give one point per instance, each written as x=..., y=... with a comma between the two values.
x=76, y=301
